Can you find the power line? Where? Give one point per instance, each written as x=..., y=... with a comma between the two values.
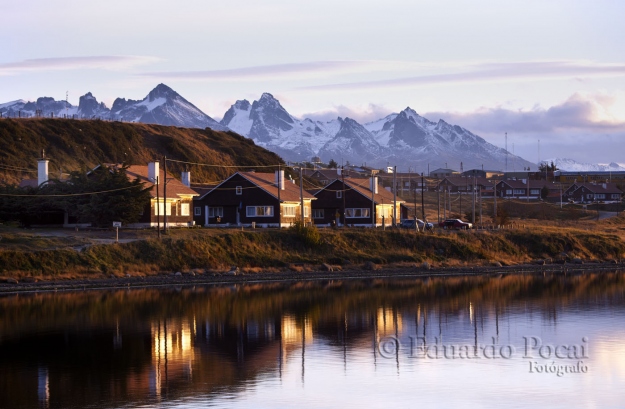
x=71, y=194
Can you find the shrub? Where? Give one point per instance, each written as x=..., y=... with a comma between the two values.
x=308, y=234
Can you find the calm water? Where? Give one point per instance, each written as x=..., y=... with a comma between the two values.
x=434, y=343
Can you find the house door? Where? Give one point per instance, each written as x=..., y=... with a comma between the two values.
x=206, y=215
x=238, y=217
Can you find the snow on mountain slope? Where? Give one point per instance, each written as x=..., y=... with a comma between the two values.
x=163, y=106
x=271, y=126
x=572, y=165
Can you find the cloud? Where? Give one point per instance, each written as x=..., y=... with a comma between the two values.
x=489, y=72
x=261, y=71
x=363, y=115
x=580, y=113
x=106, y=62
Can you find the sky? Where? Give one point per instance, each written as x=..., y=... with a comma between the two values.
x=541, y=70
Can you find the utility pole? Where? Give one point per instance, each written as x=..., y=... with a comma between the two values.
x=473, y=201
x=343, y=195
x=373, y=172
x=438, y=204
x=158, y=211
x=422, y=202
x=301, y=194
x=495, y=203
x=279, y=202
x=394, y=196
x=480, y=203
x=165, y=196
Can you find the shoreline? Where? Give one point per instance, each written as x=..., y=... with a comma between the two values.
x=191, y=279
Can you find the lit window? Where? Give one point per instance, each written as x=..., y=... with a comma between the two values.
x=289, y=211
x=184, y=209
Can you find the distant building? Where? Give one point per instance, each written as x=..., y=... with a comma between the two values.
x=482, y=173
x=443, y=173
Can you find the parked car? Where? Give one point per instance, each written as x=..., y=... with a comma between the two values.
x=409, y=224
x=455, y=224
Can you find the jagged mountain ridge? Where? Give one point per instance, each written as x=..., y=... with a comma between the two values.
x=162, y=106
x=404, y=137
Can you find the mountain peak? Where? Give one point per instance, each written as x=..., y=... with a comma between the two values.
x=161, y=91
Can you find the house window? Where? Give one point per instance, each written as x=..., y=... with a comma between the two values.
x=589, y=196
x=215, y=212
x=600, y=196
x=339, y=194
x=289, y=211
x=184, y=209
x=306, y=212
x=534, y=191
x=615, y=196
x=161, y=208
x=355, y=213
x=239, y=190
x=508, y=191
x=197, y=211
x=318, y=213
x=519, y=191
x=259, y=211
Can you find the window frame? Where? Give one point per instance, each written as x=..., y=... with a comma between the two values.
x=339, y=194
x=238, y=190
x=319, y=213
x=215, y=211
x=357, y=213
x=291, y=212
x=256, y=208
x=197, y=211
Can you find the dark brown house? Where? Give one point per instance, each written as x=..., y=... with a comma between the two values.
x=521, y=189
x=351, y=204
x=591, y=192
x=464, y=184
x=249, y=197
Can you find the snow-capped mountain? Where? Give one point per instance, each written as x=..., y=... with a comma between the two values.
x=407, y=136
x=574, y=166
x=403, y=138
x=271, y=126
x=162, y=106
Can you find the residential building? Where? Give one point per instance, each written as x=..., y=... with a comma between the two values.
x=250, y=198
x=593, y=192
x=349, y=202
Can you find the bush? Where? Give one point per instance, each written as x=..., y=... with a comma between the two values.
x=308, y=234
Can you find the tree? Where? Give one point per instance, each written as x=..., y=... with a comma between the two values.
x=544, y=192
x=118, y=198
x=332, y=164
x=103, y=196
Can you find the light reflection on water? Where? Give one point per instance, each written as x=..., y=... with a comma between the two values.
x=325, y=344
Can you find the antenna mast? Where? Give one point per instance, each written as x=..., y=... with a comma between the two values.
x=66, y=103
x=506, y=151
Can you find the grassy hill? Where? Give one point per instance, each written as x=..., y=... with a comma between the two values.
x=79, y=144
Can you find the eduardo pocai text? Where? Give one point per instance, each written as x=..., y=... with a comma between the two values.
x=542, y=357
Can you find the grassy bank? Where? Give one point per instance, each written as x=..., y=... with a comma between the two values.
x=303, y=249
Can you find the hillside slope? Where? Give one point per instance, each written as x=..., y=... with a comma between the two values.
x=78, y=144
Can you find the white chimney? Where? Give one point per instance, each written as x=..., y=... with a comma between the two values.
x=339, y=171
x=373, y=184
x=279, y=179
x=153, y=171
x=186, y=178
x=42, y=169
x=605, y=185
